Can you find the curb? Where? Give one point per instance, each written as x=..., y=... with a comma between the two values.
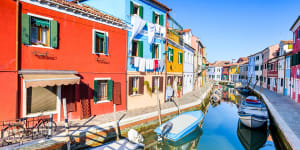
x=292, y=139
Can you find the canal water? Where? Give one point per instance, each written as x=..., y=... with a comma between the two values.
x=220, y=129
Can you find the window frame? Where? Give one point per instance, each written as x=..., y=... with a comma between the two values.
x=138, y=10
x=137, y=80
x=106, y=40
x=137, y=51
x=169, y=55
x=103, y=100
x=159, y=51
x=49, y=31
x=157, y=21
x=180, y=59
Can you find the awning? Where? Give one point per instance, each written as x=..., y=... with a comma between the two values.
x=40, y=22
x=43, y=80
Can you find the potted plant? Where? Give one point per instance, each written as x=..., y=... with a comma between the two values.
x=134, y=90
x=178, y=89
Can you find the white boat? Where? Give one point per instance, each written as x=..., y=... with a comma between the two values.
x=253, y=118
x=180, y=126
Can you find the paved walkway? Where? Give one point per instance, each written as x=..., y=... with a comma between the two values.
x=289, y=115
x=98, y=123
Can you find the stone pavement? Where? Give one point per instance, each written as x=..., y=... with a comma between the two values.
x=91, y=129
x=286, y=113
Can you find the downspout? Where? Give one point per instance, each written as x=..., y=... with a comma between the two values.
x=166, y=55
x=17, y=56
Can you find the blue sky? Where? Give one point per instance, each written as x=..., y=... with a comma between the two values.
x=230, y=29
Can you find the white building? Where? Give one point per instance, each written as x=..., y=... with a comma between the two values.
x=188, y=68
x=258, y=66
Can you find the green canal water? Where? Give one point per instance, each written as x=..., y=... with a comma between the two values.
x=220, y=129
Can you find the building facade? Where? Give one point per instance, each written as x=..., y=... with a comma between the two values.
x=287, y=75
x=188, y=63
x=225, y=72
x=258, y=67
x=89, y=75
x=272, y=81
x=199, y=62
x=268, y=53
x=234, y=72
x=251, y=70
x=295, y=61
x=244, y=72
x=146, y=47
x=285, y=47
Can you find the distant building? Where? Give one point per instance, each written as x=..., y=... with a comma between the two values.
x=268, y=53
x=285, y=47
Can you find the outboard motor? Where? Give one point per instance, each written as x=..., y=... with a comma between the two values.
x=166, y=129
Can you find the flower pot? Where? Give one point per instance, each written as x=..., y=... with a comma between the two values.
x=178, y=93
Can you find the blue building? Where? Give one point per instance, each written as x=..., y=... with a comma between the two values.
x=251, y=69
x=287, y=75
x=146, y=47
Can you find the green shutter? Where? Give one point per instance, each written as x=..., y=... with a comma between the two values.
x=110, y=84
x=131, y=7
x=181, y=58
x=141, y=12
x=161, y=20
x=140, y=49
x=153, y=51
x=106, y=44
x=25, y=29
x=53, y=34
x=172, y=52
x=153, y=17
x=96, y=90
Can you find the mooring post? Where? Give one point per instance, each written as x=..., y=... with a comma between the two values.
x=116, y=121
x=159, y=108
x=50, y=125
x=66, y=123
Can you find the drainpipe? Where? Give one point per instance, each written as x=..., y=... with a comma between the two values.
x=17, y=55
x=166, y=55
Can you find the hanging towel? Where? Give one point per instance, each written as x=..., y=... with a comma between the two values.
x=155, y=64
x=157, y=28
x=163, y=32
x=161, y=65
x=137, y=26
x=142, y=65
x=148, y=64
x=151, y=63
x=151, y=32
x=131, y=60
x=136, y=62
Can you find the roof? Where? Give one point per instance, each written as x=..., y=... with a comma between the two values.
x=242, y=59
x=295, y=23
x=185, y=30
x=287, y=42
x=219, y=63
x=87, y=10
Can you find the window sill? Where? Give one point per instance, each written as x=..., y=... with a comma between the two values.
x=100, y=54
x=40, y=114
x=136, y=95
x=102, y=101
x=40, y=46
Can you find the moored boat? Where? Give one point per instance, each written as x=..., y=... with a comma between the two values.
x=252, y=99
x=230, y=84
x=180, y=126
x=253, y=118
x=243, y=90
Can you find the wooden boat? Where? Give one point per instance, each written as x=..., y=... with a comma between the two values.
x=230, y=84
x=180, y=126
x=252, y=99
x=257, y=106
x=244, y=91
x=252, y=139
x=253, y=118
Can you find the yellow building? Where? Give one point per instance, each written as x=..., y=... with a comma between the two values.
x=234, y=72
x=174, y=61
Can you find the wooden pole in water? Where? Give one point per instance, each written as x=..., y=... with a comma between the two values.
x=115, y=118
x=159, y=108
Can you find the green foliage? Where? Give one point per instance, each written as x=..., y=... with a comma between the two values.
x=134, y=89
x=149, y=89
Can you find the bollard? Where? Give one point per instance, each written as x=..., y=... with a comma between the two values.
x=66, y=123
x=50, y=126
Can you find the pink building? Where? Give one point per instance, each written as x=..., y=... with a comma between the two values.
x=268, y=53
x=295, y=67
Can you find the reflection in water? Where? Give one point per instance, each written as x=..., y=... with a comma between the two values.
x=220, y=129
x=252, y=139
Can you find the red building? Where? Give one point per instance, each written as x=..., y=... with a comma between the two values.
x=272, y=74
x=225, y=72
x=295, y=61
x=64, y=50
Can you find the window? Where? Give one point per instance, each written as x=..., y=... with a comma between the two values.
x=100, y=45
x=290, y=46
x=137, y=48
x=155, y=51
x=102, y=90
x=155, y=84
x=281, y=82
x=179, y=58
x=298, y=34
x=256, y=68
x=41, y=99
x=170, y=54
x=136, y=85
x=257, y=57
x=40, y=31
x=136, y=9
x=261, y=67
x=157, y=18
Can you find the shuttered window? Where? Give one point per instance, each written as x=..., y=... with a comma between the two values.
x=100, y=42
x=136, y=9
x=136, y=85
x=103, y=90
x=170, y=54
x=179, y=58
x=39, y=31
x=137, y=48
x=155, y=51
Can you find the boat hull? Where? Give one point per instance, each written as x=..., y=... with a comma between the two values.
x=183, y=124
x=252, y=121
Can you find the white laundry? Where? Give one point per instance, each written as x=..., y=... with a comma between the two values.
x=142, y=65
x=148, y=64
x=161, y=65
x=163, y=32
x=137, y=26
x=151, y=62
x=136, y=61
x=151, y=32
x=157, y=28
